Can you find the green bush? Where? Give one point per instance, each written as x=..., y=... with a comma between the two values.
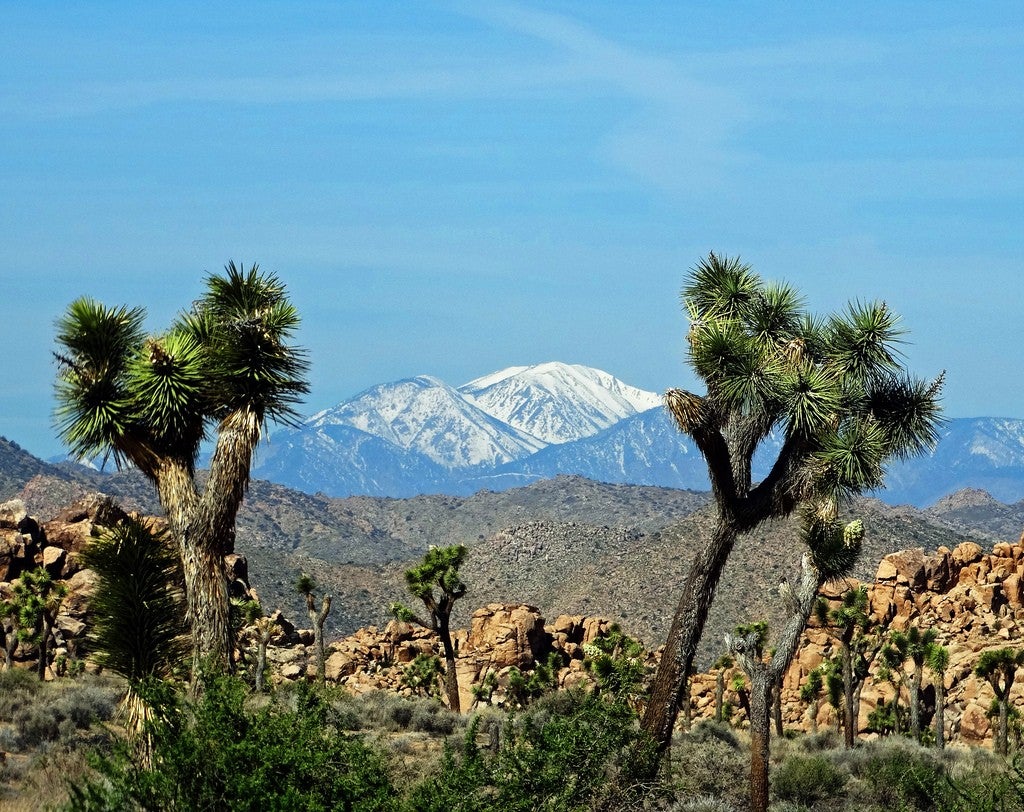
x=901, y=775
x=215, y=754
x=805, y=780
x=562, y=755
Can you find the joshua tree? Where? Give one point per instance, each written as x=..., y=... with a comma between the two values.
x=850, y=624
x=150, y=400
x=911, y=646
x=264, y=629
x=999, y=667
x=721, y=665
x=831, y=553
x=139, y=629
x=938, y=662
x=306, y=587
x=833, y=391
x=440, y=569
x=37, y=598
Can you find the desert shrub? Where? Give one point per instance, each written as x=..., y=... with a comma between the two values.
x=561, y=755
x=706, y=730
x=216, y=754
x=711, y=767
x=705, y=803
x=818, y=742
x=432, y=717
x=57, y=713
x=899, y=774
x=383, y=711
x=805, y=780
x=18, y=688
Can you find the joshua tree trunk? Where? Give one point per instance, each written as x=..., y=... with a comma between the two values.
x=318, y=619
x=849, y=717
x=760, y=732
x=814, y=710
x=686, y=703
x=914, y=689
x=777, y=708
x=720, y=695
x=940, y=712
x=451, y=677
x=683, y=637
x=207, y=608
x=764, y=676
x=1002, y=735
x=44, y=644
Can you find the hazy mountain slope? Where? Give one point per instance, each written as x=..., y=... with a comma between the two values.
x=557, y=402
x=976, y=513
x=985, y=453
x=341, y=460
x=567, y=545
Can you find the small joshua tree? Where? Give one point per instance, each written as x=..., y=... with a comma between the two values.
x=810, y=693
x=439, y=569
x=999, y=667
x=721, y=665
x=938, y=662
x=910, y=647
x=37, y=598
x=307, y=587
x=850, y=624
x=263, y=630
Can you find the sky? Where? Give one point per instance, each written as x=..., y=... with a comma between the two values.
x=452, y=188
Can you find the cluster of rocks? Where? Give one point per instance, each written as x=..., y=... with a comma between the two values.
x=973, y=599
x=27, y=544
x=501, y=637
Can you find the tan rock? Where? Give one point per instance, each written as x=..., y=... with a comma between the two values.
x=974, y=724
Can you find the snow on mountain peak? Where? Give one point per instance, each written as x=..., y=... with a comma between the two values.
x=557, y=402
x=425, y=414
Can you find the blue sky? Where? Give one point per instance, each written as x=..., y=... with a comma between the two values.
x=452, y=188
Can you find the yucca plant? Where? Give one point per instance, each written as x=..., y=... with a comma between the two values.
x=138, y=611
x=833, y=390
x=224, y=367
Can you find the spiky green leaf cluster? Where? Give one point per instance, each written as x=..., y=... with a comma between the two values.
x=834, y=388
x=139, y=629
x=440, y=569
x=141, y=397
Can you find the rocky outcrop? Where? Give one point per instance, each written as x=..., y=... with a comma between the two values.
x=56, y=545
x=973, y=599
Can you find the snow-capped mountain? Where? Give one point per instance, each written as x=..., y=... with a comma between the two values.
x=534, y=422
x=426, y=415
x=557, y=403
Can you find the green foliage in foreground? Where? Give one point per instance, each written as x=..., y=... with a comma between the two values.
x=215, y=754
x=565, y=753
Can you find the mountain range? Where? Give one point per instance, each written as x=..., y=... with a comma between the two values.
x=529, y=423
